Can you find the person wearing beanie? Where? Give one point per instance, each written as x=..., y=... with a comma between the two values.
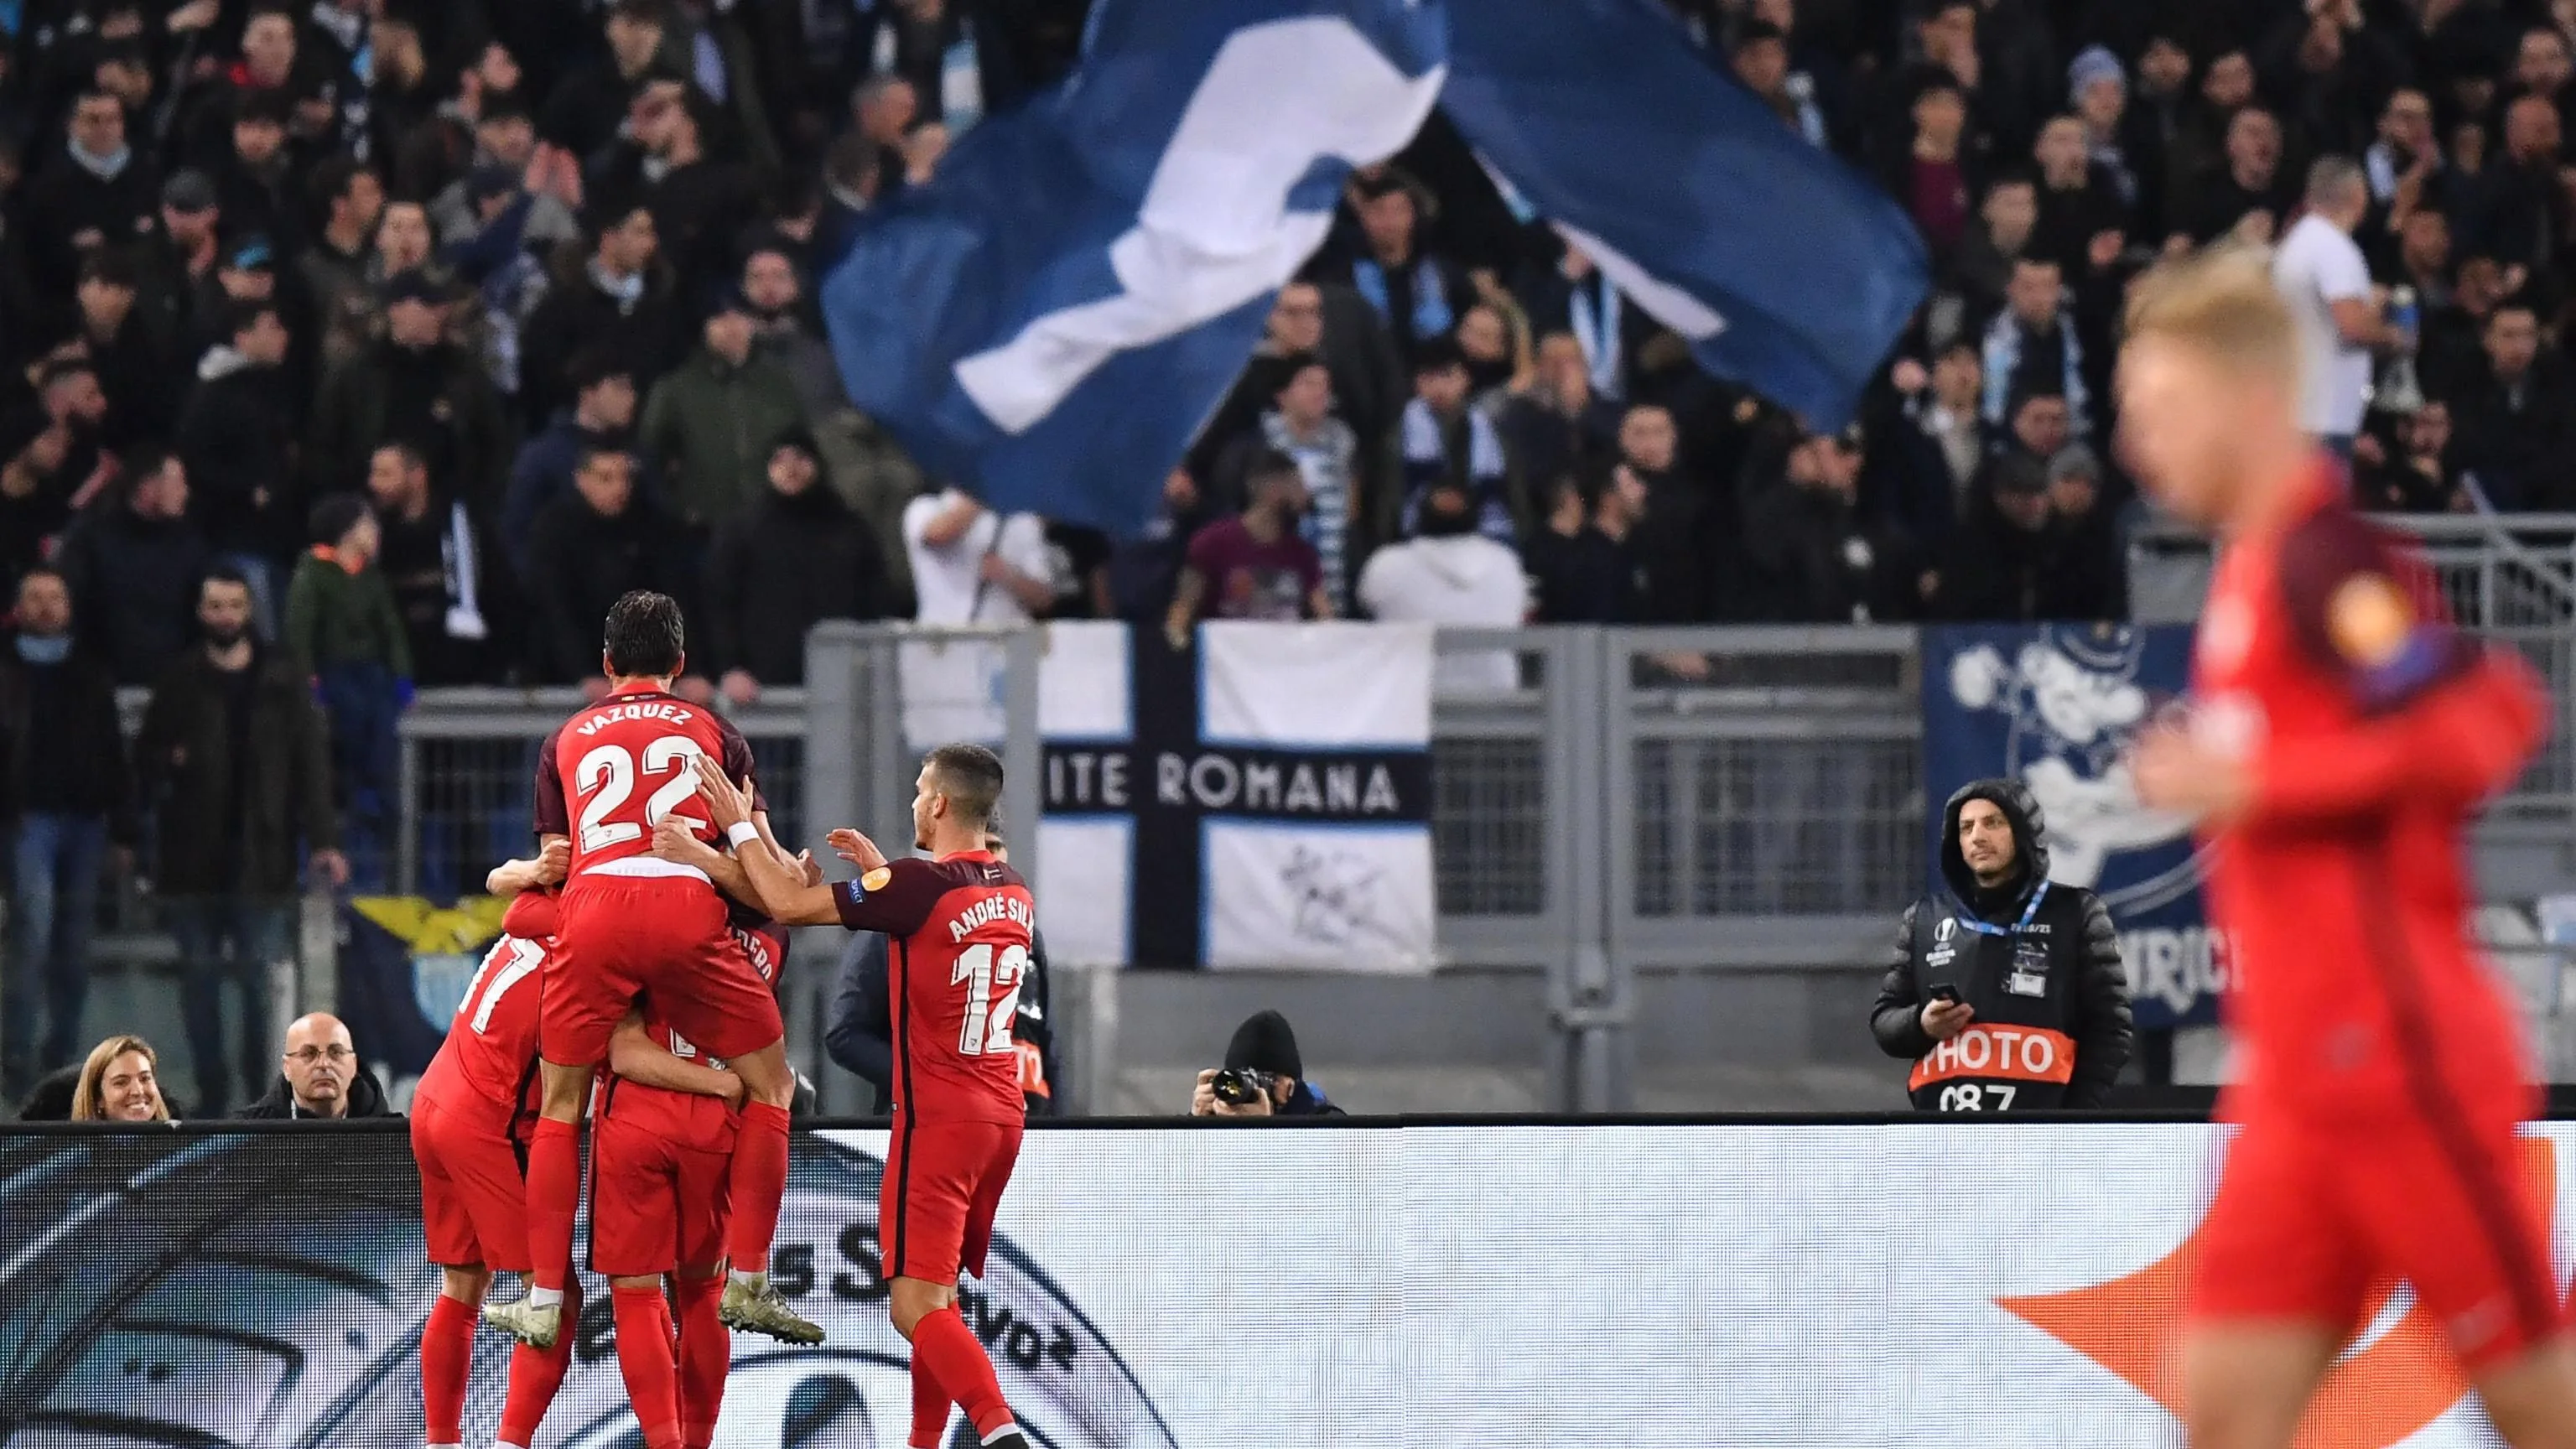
x=345, y=635
x=1262, y=1057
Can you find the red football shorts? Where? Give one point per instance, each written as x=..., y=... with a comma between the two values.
x=2310, y=1219
x=625, y=935
x=656, y=1205
x=943, y=1183
x=473, y=1195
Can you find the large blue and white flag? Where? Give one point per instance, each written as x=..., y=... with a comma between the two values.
x=1783, y=268
x=1261, y=799
x=1054, y=317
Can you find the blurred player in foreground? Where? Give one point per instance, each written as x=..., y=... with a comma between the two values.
x=960, y=923
x=469, y=1121
x=2341, y=735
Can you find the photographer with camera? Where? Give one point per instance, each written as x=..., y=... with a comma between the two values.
x=2006, y=989
x=1262, y=1077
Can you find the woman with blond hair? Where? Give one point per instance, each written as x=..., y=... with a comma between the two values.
x=118, y=1084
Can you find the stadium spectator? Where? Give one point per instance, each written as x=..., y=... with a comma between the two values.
x=333, y=268
x=2003, y=563
x=617, y=301
x=971, y=565
x=1682, y=537
x=1812, y=556
x=238, y=436
x=179, y=255
x=64, y=798
x=1145, y=571
x=713, y=422
x=783, y=332
x=93, y=192
x=344, y=634
x=235, y=758
x=1445, y=440
x=120, y=1083
x=322, y=1077
x=2092, y=567
x=1934, y=451
x=1301, y=424
x=1253, y=566
x=2035, y=346
x=585, y=110
x=796, y=557
x=602, y=415
x=858, y=1033
x=2244, y=196
x=1580, y=565
x=1263, y=1076
x=1416, y=297
x=55, y=464
x=589, y=549
x=134, y=562
x=2418, y=476
x=2005, y=988
x=417, y=388
x=2342, y=318
x=132, y=359
x=1559, y=424
x=438, y=568
x=2517, y=419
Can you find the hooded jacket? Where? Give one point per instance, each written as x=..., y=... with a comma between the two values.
x=2037, y=962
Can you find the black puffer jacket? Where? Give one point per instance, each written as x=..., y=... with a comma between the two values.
x=2043, y=976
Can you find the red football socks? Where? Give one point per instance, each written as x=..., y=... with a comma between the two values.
x=646, y=1355
x=446, y=1362
x=943, y=1341
x=537, y=1373
x=554, y=1194
x=930, y=1405
x=706, y=1351
x=758, y=1181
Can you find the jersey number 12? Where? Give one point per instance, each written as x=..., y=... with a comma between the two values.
x=987, y=1031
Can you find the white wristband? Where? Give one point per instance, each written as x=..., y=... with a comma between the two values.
x=743, y=833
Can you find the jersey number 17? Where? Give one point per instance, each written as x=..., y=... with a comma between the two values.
x=987, y=1031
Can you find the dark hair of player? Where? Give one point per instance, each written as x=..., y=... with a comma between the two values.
x=644, y=636
x=971, y=777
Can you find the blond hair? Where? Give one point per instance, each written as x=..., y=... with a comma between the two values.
x=2220, y=303
x=86, y=1106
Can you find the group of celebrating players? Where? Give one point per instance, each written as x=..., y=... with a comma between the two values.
x=635, y=982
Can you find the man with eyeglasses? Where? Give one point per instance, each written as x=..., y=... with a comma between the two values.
x=322, y=1078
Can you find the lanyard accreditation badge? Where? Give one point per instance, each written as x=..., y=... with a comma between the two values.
x=2029, y=975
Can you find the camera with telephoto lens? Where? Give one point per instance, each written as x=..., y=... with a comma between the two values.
x=1236, y=1086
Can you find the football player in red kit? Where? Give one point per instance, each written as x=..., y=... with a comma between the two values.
x=960, y=926
x=660, y=1149
x=2340, y=737
x=468, y=1125
x=634, y=924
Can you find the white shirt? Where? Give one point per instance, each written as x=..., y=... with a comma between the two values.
x=1467, y=579
x=2316, y=266
x=950, y=581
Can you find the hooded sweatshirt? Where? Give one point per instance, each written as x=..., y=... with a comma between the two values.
x=2038, y=963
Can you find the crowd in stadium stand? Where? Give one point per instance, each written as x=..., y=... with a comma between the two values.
x=440, y=323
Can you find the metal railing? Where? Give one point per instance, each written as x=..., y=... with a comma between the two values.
x=2510, y=578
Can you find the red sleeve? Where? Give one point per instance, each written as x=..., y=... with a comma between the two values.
x=2443, y=716
x=737, y=759
x=553, y=816
x=896, y=898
